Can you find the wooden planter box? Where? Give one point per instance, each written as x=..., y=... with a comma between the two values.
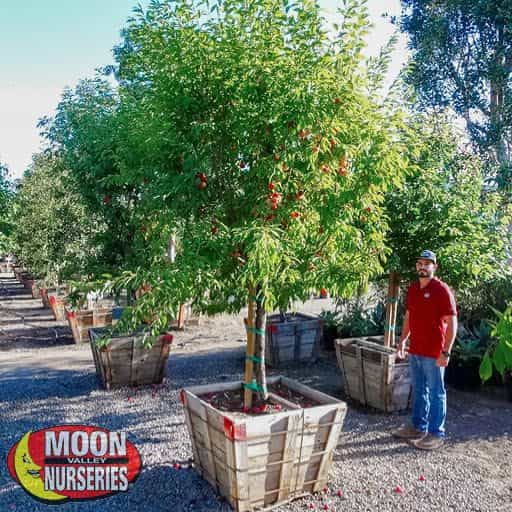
x=125, y=362
x=27, y=280
x=36, y=291
x=58, y=303
x=264, y=460
x=44, y=297
x=371, y=374
x=81, y=321
x=296, y=339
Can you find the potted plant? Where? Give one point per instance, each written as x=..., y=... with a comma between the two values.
x=467, y=353
x=136, y=359
x=88, y=307
x=331, y=323
x=498, y=355
x=273, y=189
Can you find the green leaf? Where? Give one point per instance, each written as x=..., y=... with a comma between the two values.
x=485, y=368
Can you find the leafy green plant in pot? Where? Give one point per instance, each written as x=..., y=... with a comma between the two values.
x=498, y=355
x=331, y=321
x=463, y=370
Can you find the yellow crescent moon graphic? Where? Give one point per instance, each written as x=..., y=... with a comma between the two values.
x=28, y=475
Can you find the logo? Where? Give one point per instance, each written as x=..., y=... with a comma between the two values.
x=73, y=462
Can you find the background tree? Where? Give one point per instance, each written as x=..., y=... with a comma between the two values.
x=6, y=197
x=54, y=231
x=85, y=134
x=462, y=58
x=445, y=206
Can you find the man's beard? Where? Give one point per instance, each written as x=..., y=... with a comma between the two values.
x=424, y=273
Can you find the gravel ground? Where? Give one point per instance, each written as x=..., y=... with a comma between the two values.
x=45, y=380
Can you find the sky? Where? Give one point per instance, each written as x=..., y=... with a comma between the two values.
x=47, y=45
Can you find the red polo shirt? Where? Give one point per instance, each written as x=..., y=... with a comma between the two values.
x=426, y=308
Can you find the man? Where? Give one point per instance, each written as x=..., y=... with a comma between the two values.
x=431, y=323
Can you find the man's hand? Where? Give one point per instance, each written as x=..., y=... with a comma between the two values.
x=400, y=349
x=443, y=360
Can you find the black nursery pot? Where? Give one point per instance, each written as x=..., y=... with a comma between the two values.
x=464, y=375
x=508, y=386
x=329, y=335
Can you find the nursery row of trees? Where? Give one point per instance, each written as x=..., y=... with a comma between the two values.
x=259, y=138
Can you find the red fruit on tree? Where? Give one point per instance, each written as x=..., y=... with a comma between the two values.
x=274, y=206
x=300, y=195
x=295, y=215
x=422, y=478
x=271, y=186
x=398, y=489
x=332, y=143
x=106, y=199
x=201, y=176
x=368, y=209
x=215, y=230
x=242, y=165
x=337, y=101
x=201, y=185
x=342, y=171
x=325, y=168
x=316, y=149
x=276, y=157
x=340, y=493
x=326, y=506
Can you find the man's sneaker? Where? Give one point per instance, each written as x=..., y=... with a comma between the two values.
x=408, y=432
x=429, y=442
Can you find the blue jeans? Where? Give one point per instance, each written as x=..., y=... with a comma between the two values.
x=429, y=395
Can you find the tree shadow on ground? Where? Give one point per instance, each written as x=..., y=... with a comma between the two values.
x=36, y=337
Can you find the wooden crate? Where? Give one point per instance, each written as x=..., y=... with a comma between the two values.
x=36, y=291
x=267, y=460
x=44, y=297
x=81, y=321
x=125, y=362
x=371, y=374
x=296, y=339
x=57, y=303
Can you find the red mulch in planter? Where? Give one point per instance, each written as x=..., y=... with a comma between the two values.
x=233, y=401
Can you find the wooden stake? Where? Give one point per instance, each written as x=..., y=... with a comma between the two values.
x=391, y=309
x=249, y=364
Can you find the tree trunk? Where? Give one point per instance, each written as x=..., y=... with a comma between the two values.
x=259, y=349
x=497, y=101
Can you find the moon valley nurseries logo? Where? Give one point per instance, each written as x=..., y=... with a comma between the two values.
x=73, y=462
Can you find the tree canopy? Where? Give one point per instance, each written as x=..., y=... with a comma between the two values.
x=462, y=58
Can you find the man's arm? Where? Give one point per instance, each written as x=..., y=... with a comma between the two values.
x=449, y=338
x=451, y=332
x=403, y=337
